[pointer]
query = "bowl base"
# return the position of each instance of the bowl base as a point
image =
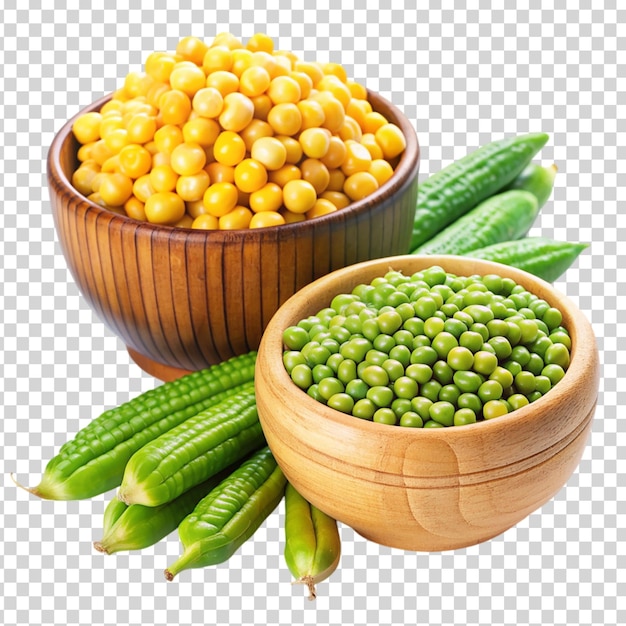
(165, 373)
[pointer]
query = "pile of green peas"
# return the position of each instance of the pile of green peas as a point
(430, 350)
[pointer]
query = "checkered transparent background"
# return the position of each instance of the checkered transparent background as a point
(465, 73)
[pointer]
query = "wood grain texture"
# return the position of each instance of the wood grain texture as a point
(183, 299)
(427, 490)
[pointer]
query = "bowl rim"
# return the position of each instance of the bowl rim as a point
(405, 172)
(583, 353)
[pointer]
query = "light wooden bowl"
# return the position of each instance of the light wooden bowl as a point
(426, 489)
(182, 299)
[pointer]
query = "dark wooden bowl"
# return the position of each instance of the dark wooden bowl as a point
(183, 299)
(427, 489)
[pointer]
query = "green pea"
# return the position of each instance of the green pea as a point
(342, 300)
(534, 396)
(354, 309)
(385, 416)
(425, 307)
(421, 406)
(380, 395)
(490, 390)
(494, 408)
(394, 369)
(376, 357)
(503, 376)
(419, 341)
(403, 338)
(454, 327)
(521, 354)
(442, 372)
(470, 401)
(528, 330)
(330, 386)
(405, 387)
(463, 417)
(330, 344)
(384, 343)
(420, 372)
(334, 360)
(527, 312)
(302, 376)
(493, 282)
(354, 324)
(414, 325)
(397, 298)
(485, 362)
(512, 366)
(561, 336)
(535, 364)
(400, 406)
(314, 393)
(554, 372)
(410, 419)
(295, 337)
(514, 334)
(481, 329)
(433, 327)
(543, 384)
(424, 354)
(479, 313)
(357, 389)
(501, 346)
(433, 424)
(541, 345)
(467, 319)
(442, 412)
(319, 331)
(435, 275)
(497, 328)
(517, 401)
(443, 343)
(460, 358)
(355, 349)
(291, 358)
(552, 318)
(476, 298)
(339, 333)
(401, 353)
(405, 310)
(539, 307)
(471, 340)
(364, 408)
(321, 371)
(468, 381)
(389, 322)
(449, 308)
(557, 354)
(450, 393)
(525, 382)
(370, 329)
(431, 390)
(346, 371)
(500, 312)
(341, 402)
(375, 375)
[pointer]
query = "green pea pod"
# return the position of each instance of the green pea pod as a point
(503, 217)
(93, 461)
(538, 180)
(230, 514)
(451, 192)
(312, 543)
(193, 451)
(133, 527)
(545, 258)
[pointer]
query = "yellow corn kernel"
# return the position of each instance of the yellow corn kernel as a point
(208, 102)
(195, 208)
(305, 82)
(266, 219)
(242, 58)
(101, 152)
(336, 153)
(321, 207)
(188, 78)
(141, 128)
(357, 159)
(237, 112)
(82, 179)
(134, 208)
(285, 118)
(299, 196)
(381, 170)
(220, 173)
(112, 164)
(164, 207)
(335, 69)
(338, 198)
(267, 198)
(360, 185)
(262, 106)
(224, 82)
(291, 218)
(217, 58)
(85, 152)
(369, 141)
(391, 140)
(316, 173)
(334, 112)
(174, 106)
(155, 91)
(373, 121)
(163, 178)
(315, 142)
(161, 158)
(112, 105)
(254, 81)
(283, 89)
(336, 179)
(312, 69)
(206, 222)
(256, 129)
(115, 188)
(167, 138)
(133, 85)
(350, 129)
(250, 175)
(268, 61)
(260, 42)
(284, 174)
(134, 160)
(334, 85)
(86, 128)
(187, 159)
(201, 130)
(192, 49)
(357, 90)
(270, 152)
(229, 148)
(237, 219)
(186, 221)
(192, 187)
(142, 188)
(358, 109)
(220, 198)
(312, 113)
(293, 147)
(116, 139)
(159, 66)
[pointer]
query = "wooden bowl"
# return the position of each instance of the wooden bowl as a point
(182, 299)
(426, 489)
